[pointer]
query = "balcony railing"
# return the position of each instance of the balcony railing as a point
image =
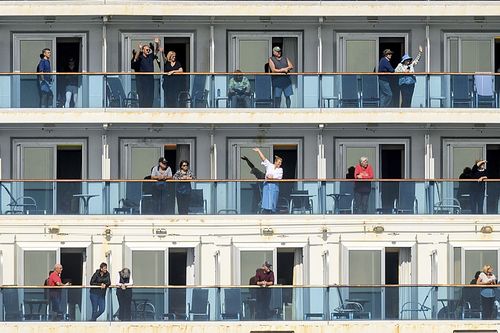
(241, 197)
(206, 90)
(243, 303)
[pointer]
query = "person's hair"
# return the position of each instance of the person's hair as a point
(56, 266)
(476, 276)
(43, 52)
(276, 157)
(237, 71)
(102, 265)
(363, 158)
(182, 162)
(125, 272)
(170, 54)
(486, 268)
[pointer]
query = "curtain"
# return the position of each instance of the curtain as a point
(404, 274)
(182, 153)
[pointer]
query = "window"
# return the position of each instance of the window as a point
(474, 52)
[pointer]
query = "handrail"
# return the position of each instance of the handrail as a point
(254, 286)
(406, 180)
(249, 73)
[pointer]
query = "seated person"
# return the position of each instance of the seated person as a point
(239, 91)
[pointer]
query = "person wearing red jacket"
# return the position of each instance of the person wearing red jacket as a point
(362, 189)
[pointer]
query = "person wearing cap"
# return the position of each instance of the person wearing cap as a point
(282, 84)
(477, 189)
(161, 173)
(270, 190)
(384, 81)
(264, 278)
(407, 82)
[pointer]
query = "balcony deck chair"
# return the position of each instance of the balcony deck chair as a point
(471, 303)
(406, 203)
(276, 304)
(484, 87)
(21, 205)
(197, 205)
(232, 307)
(115, 94)
(461, 92)
(416, 307)
(199, 308)
(346, 200)
(446, 205)
(263, 94)
(301, 205)
(369, 91)
(349, 95)
(349, 310)
(13, 309)
(197, 97)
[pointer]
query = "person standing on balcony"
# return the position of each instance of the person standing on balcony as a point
(183, 189)
(102, 279)
(362, 189)
(270, 190)
(282, 84)
(71, 84)
(384, 81)
(161, 173)
(44, 80)
(477, 189)
(124, 294)
(487, 294)
(172, 82)
(407, 82)
(55, 294)
(143, 62)
(264, 278)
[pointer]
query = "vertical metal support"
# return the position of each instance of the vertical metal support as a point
(212, 49)
(427, 49)
(213, 156)
(104, 64)
(320, 46)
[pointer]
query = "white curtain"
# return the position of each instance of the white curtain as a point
(404, 275)
(182, 153)
(298, 280)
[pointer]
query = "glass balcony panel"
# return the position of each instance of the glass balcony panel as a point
(191, 90)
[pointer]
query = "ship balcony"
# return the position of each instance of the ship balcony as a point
(211, 98)
(242, 197)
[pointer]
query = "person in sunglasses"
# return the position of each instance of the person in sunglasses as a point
(143, 62)
(183, 189)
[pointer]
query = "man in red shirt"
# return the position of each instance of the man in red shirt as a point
(55, 293)
(362, 189)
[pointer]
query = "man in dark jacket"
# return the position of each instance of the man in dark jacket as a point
(98, 295)
(384, 66)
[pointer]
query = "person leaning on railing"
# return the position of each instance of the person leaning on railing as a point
(488, 295)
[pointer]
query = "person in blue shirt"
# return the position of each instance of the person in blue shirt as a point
(143, 62)
(45, 81)
(384, 66)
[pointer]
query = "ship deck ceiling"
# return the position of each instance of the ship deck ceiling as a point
(250, 8)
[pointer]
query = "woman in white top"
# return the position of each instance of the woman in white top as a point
(487, 294)
(407, 82)
(271, 190)
(124, 294)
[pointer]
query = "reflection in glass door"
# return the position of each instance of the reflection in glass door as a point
(49, 161)
(367, 267)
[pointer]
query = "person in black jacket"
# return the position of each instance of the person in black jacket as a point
(480, 173)
(98, 295)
